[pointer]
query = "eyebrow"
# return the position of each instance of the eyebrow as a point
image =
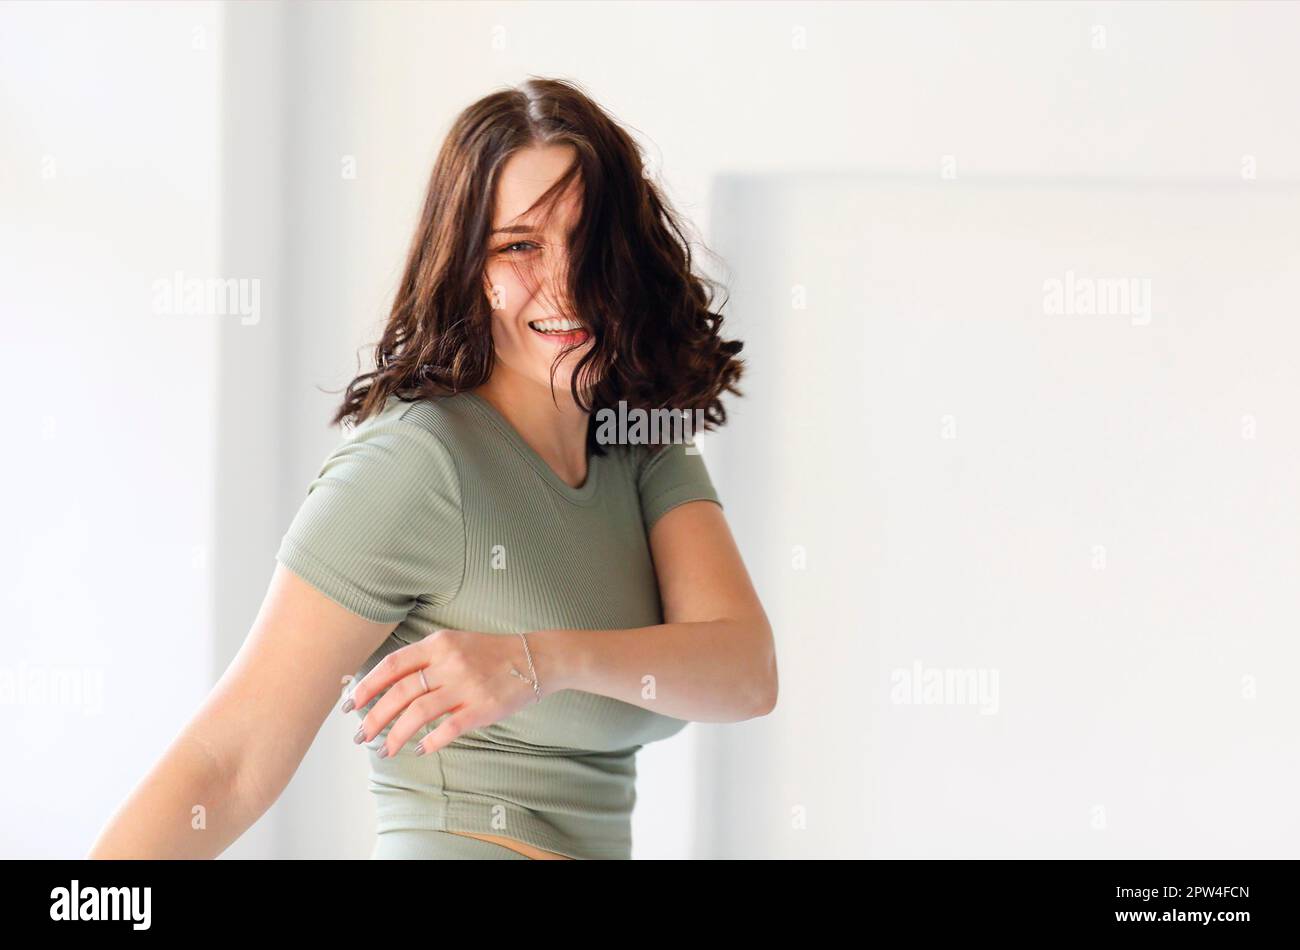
(516, 229)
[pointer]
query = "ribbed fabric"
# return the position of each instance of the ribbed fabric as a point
(437, 513)
(404, 844)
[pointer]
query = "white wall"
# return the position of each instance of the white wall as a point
(250, 134)
(1090, 517)
(109, 180)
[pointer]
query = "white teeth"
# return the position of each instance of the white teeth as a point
(555, 325)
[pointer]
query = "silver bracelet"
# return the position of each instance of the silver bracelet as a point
(537, 688)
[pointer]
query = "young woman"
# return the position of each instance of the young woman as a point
(517, 603)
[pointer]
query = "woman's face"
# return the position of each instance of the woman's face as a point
(525, 269)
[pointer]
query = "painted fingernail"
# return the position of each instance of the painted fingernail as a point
(383, 751)
(419, 748)
(348, 706)
(360, 735)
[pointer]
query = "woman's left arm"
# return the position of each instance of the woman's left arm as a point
(712, 660)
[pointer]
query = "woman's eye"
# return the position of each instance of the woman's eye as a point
(510, 248)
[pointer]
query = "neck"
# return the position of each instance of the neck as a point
(554, 426)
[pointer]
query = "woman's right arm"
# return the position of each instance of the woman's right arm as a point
(233, 759)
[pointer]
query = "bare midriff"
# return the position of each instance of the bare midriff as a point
(525, 849)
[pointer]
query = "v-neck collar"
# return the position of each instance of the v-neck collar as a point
(583, 495)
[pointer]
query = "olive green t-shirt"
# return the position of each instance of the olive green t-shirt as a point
(436, 513)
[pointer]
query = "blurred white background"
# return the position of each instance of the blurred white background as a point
(932, 472)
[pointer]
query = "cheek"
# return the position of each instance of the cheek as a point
(504, 336)
(506, 293)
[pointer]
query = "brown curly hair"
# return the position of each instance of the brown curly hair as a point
(656, 340)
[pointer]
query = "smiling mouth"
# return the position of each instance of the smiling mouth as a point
(559, 331)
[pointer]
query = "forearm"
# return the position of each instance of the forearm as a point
(189, 805)
(708, 671)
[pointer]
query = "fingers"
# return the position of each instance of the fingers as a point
(397, 690)
(402, 662)
(399, 696)
(446, 731)
(419, 714)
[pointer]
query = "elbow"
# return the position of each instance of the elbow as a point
(763, 708)
(766, 701)
(766, 679)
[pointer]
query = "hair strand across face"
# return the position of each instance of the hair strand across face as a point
(656, 336)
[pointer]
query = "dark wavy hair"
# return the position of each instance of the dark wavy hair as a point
(628, 276)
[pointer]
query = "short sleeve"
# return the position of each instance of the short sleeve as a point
(671, 475)
(381, 527)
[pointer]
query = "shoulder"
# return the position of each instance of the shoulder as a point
(441, 425)
(670, 475)
(442, 416)
(382, 523)
(406, 448)
(635, 462)
(449, 421)
(654, 460)
(650, 460)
